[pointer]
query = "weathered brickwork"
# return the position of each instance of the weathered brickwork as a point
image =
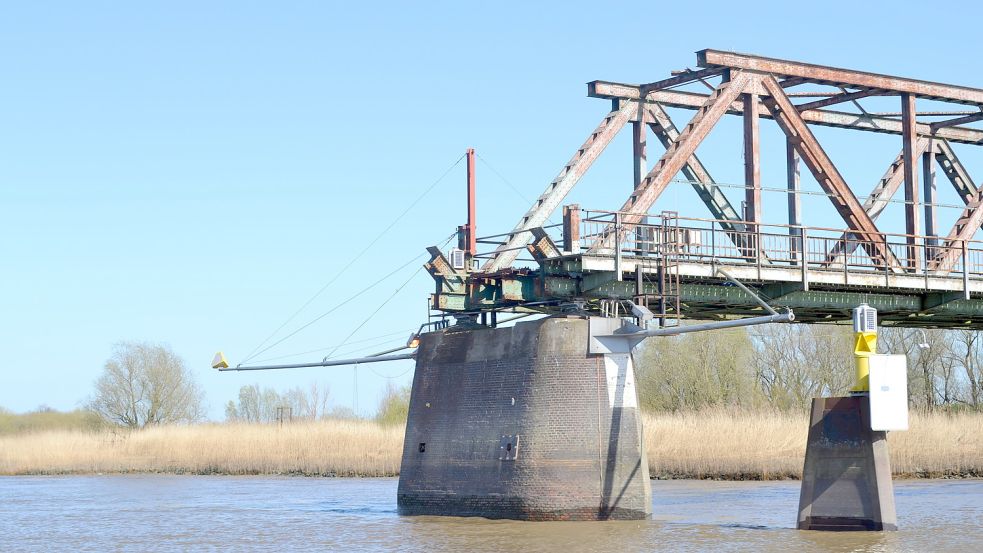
(517, 423)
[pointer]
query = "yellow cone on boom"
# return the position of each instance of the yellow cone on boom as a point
(219, 362)
(865, 343)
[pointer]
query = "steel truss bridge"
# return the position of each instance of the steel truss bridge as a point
(684, 266)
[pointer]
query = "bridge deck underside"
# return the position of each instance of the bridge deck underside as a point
(816, 295)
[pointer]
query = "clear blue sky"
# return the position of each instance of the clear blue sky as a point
(191, 172)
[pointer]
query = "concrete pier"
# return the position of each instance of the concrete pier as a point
(523, 423)
(846, 481)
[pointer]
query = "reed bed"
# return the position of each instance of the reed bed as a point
(769, 445)
(324, 448)
(717, 443)
(724, 444)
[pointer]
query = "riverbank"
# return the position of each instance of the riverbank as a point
(708, 444)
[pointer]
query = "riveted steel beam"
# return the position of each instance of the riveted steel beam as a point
(910, 169)
(827, 118)
(551, 198)
(825, 172)
(878, 199)
(956, 121)
(954, 170)
(694, 171)
(674, 159)
(839, 99)
(683, 78)
(965, 227)
(822, 74)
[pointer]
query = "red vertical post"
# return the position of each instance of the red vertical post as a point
(910, 136)
(752, 164)
(472, 235)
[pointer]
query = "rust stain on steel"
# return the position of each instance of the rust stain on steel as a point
(910, 169)
(828, 118)
(676, 156)
(879, 197)
(826, 174)
(822, 74)
(561, 185)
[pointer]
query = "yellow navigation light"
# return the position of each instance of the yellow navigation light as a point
(219, 362)
(866, 343)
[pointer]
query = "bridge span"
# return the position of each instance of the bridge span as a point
(595, 260)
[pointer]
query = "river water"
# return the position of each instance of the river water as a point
(213, 513)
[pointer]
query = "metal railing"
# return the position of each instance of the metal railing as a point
(770, 245)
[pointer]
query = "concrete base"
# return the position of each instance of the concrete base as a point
(523, 423)
(846, 482)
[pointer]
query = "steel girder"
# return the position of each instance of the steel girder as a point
(675, 158)
(878, 199)
(561, 186)
(694, 170)
(835, 76)
(825, 172)
(826, 118)
(754, 87)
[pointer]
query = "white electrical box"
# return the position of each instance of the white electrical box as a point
(864, 318)
(458, 261)
(888, 392)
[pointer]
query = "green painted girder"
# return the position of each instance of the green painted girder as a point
(713, 299)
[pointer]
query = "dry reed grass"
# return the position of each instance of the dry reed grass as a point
(771, 445)
(707, 444)
(328, 448)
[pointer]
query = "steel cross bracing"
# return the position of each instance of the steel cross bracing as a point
(922, 277)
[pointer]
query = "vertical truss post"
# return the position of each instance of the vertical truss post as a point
(909, 137)
(617, 246)
(752, 170)
(639, 164)
(928, 185)
(638, 151)
(965, 271)
(804, 259)
(571, 228)
(794, 201)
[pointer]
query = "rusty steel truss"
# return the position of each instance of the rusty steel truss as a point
(919, 278)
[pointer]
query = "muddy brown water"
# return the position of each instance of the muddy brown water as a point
(217, 513)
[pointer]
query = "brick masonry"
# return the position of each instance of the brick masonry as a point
(519, 423)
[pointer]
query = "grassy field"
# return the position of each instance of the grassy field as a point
(707, 444)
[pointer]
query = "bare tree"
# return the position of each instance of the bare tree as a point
(933, 356)
(696, 370)
(968, 341)
(794, 363)
(257, 404)
(317, 400)
(145, 384)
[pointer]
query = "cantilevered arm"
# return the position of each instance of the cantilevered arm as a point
(325, 363)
